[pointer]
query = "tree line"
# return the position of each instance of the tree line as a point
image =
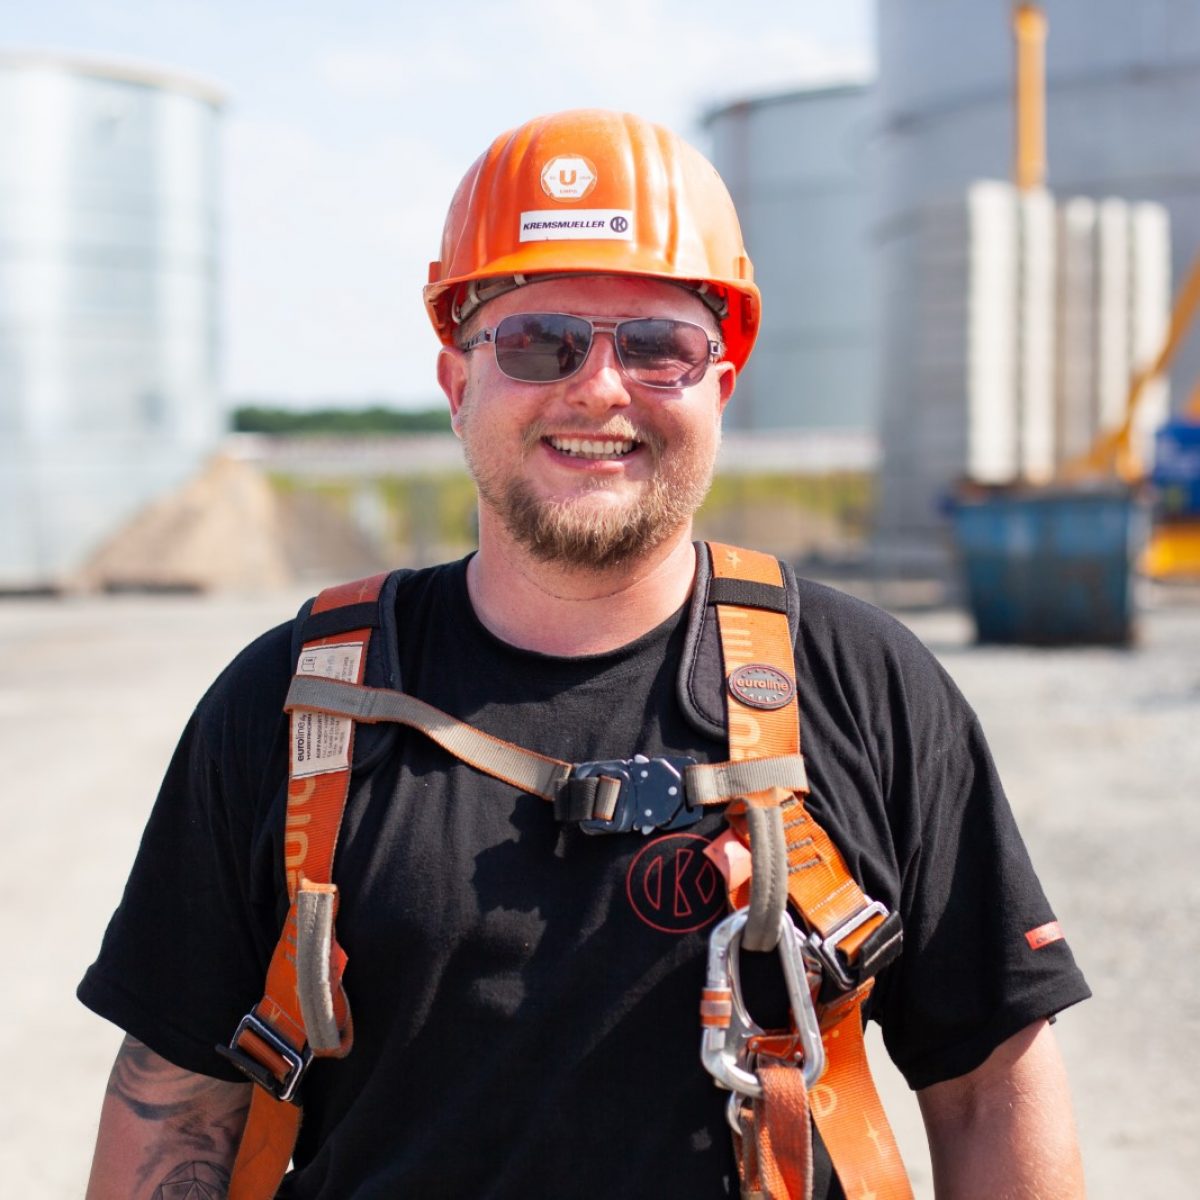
(373, 419)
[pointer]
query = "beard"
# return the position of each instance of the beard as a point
(577, 532)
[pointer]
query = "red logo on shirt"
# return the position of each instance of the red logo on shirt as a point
(673, 887)
(1043, 935)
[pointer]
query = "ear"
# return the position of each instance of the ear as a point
(452, 378)
(726, 382)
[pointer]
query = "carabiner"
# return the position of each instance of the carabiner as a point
(728, 1026)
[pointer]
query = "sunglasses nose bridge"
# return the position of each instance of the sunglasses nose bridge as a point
(609, 329)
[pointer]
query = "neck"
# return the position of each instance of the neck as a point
(573, 611)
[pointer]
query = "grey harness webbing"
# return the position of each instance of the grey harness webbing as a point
(524, 769)
(706, 783)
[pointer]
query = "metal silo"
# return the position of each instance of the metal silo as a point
(108, 300)
(1121, 82)
(796, 165)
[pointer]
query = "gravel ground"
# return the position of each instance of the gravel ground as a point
(1100, 750)
(1100, 753)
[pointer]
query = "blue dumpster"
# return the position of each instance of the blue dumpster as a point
(1049, 566)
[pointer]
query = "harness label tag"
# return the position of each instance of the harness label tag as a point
(321, 742)
(731, 858)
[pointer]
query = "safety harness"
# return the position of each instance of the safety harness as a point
(774, 857)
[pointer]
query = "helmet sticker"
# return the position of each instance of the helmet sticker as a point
(598, 224)
(568, 177)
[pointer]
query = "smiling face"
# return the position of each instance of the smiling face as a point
(593, 470)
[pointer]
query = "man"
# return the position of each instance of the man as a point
(523, 997)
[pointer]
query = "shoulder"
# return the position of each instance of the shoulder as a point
(256, 679)
(863, 666)
(435, 588)
(835, 625)
(249, 693)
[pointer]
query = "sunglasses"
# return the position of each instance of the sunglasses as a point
(657, 352)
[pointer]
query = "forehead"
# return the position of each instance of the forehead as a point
(602, 296)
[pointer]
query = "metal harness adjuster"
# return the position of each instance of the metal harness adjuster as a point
(297, 1061)
(881, 947)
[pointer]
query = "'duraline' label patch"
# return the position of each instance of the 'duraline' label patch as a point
(761, 686)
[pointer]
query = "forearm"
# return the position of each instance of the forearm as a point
(161, 1123)
(1010, 1154)
(1006, 1131)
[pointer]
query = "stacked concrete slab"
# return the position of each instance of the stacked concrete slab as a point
(1016, 324)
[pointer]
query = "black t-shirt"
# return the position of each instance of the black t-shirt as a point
(525, 996)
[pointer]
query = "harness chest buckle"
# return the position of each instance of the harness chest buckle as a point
(650, 794)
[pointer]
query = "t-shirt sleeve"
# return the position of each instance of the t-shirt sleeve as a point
(983, 956)
(185, 954)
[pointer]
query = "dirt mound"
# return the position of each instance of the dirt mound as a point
(229, 528)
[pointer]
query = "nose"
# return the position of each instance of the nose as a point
(600, 384)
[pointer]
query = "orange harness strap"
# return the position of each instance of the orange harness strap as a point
(776, 1147)
(272, 1037)
(844, 1102)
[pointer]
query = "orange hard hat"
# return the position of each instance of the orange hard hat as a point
(594, 192)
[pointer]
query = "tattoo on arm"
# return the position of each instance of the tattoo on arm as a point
(199, 1123)
(194, 1181)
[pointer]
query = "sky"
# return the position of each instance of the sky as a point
(348, 125)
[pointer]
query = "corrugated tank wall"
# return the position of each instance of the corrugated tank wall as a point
(108, 300)
(796, 165)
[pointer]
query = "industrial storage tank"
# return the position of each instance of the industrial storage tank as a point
(1121, 82)
(796, 165)
(108, 300)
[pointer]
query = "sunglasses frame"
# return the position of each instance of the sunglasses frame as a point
(609, 325)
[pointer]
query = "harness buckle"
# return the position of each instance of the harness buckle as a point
(880, 948)
(727, 1046)
(650, 794)
(297, 1061)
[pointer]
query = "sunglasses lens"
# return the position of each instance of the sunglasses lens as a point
(655, 351)
(541, 347)
(664, 353)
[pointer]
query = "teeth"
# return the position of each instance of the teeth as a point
(587, 448)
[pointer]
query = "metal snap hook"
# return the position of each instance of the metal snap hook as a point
(729, 1028)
